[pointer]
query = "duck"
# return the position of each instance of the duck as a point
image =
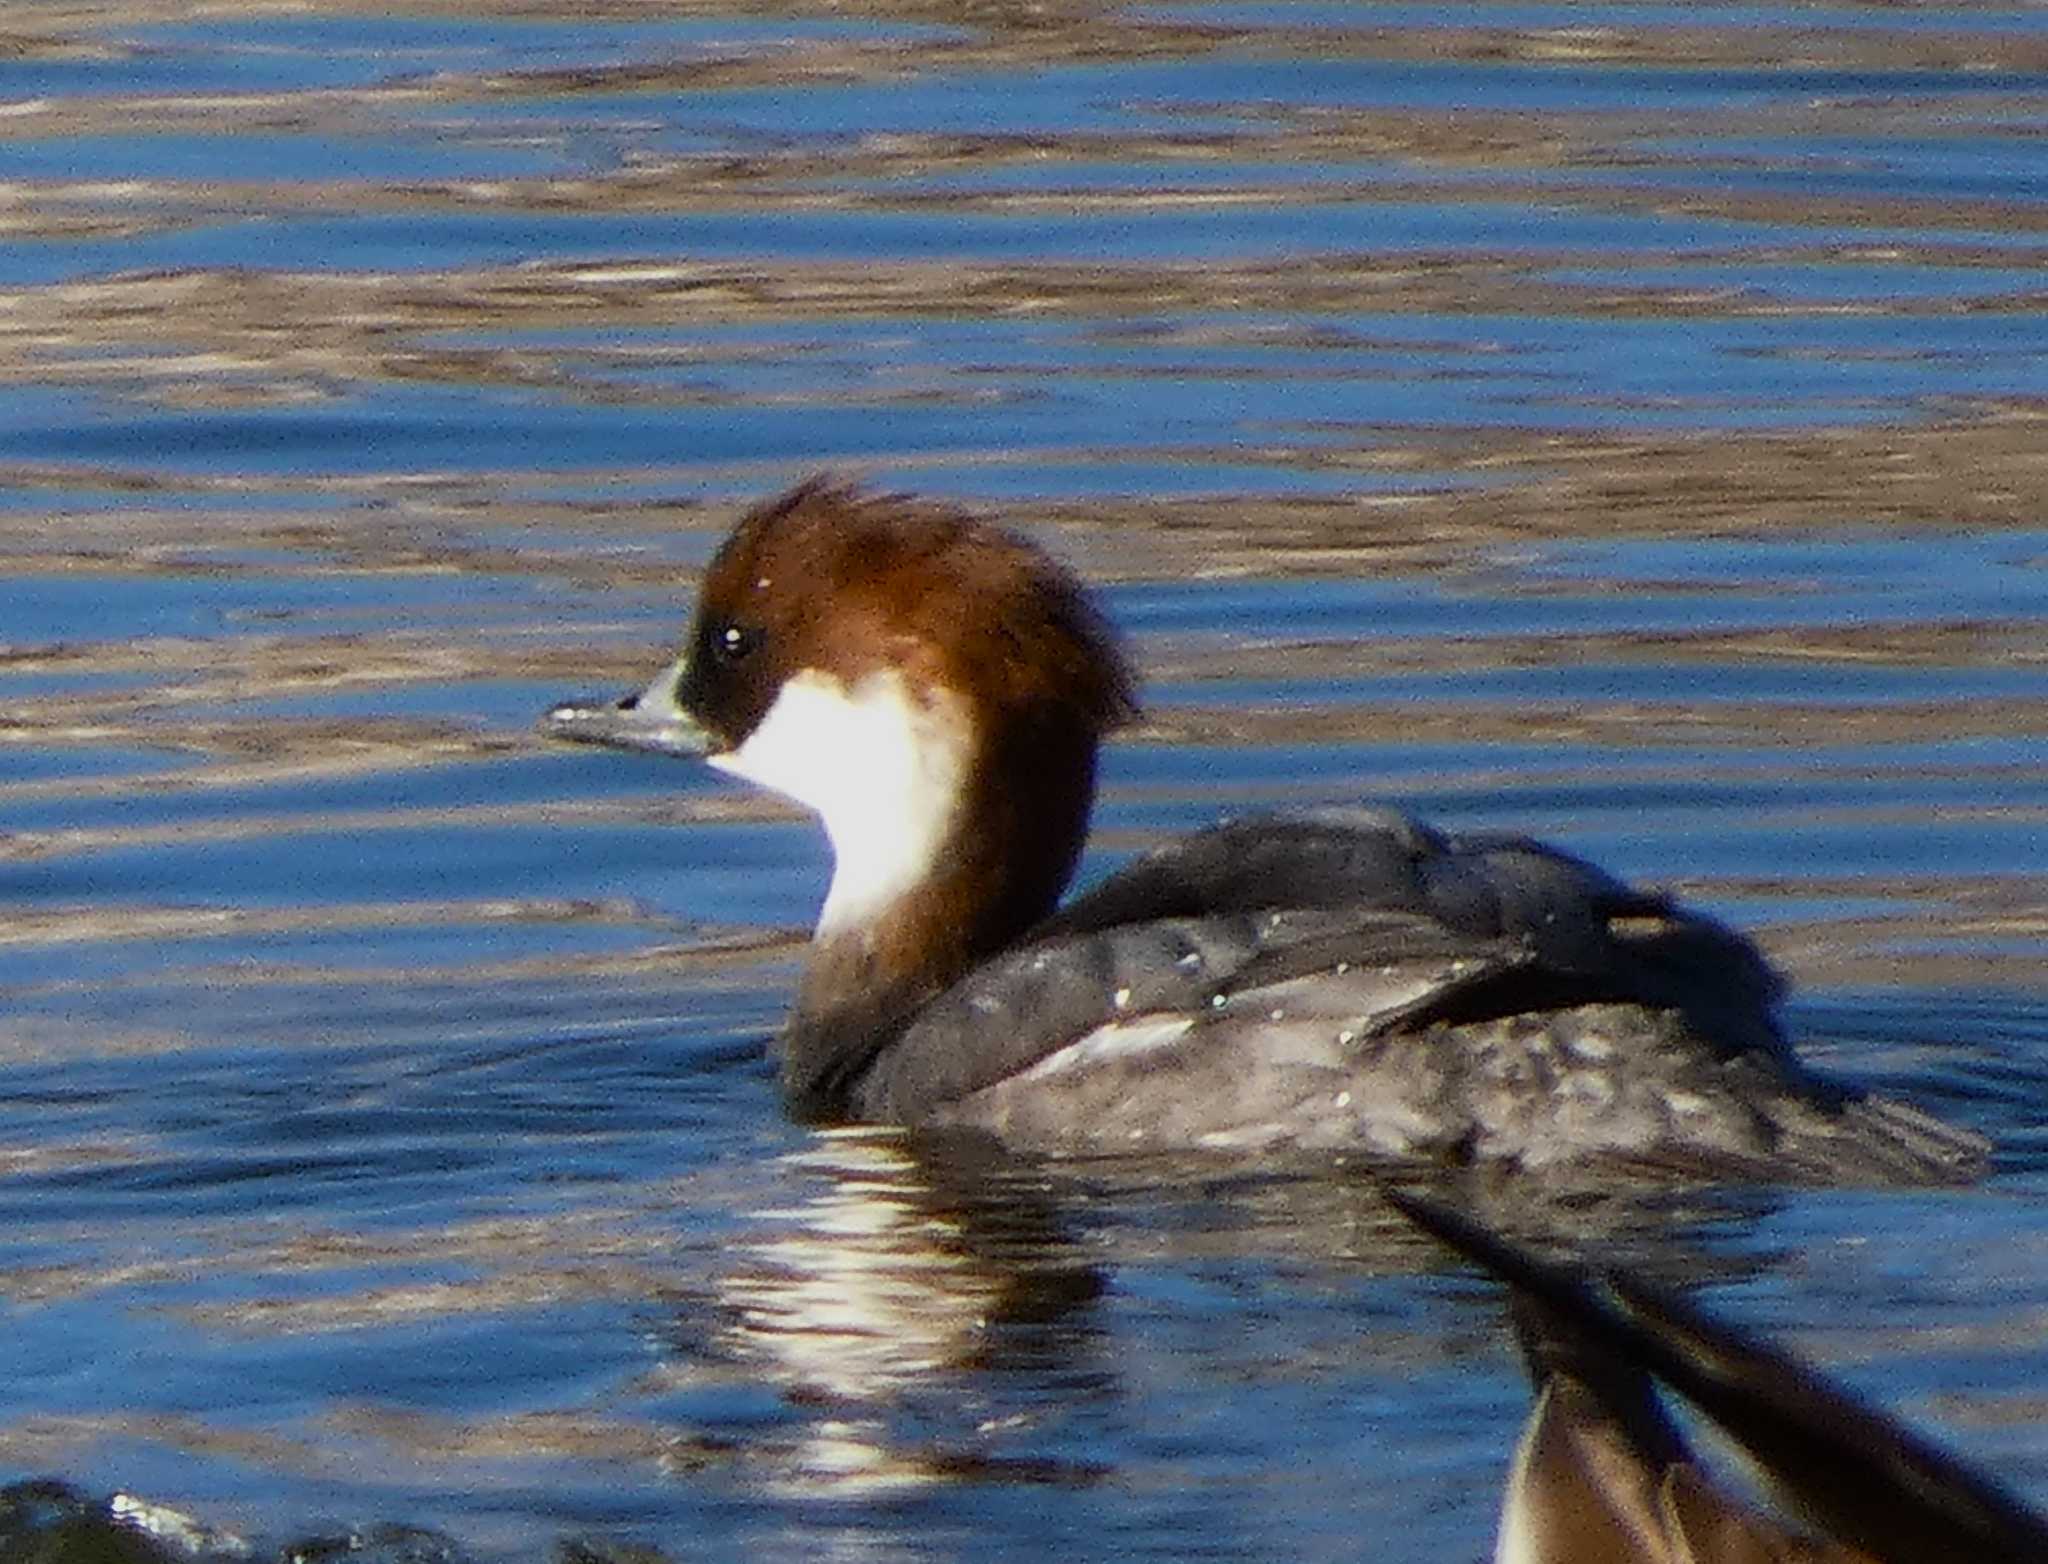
(936, 689)
(1602, 1474)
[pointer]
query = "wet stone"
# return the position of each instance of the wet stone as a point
(596, 1550)
(387, 1544)
(43, 1521)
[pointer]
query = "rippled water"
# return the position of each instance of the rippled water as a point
(1622, 422)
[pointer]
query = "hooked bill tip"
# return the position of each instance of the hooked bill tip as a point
(624, 724)
(569, 715)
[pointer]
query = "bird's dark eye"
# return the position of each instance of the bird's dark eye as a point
(734, 643)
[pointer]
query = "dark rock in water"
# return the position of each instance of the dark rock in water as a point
(43, 1521)
(387, 1544)
(596, 1550)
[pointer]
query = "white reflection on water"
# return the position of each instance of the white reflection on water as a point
(865, 1289)
(884, 1279)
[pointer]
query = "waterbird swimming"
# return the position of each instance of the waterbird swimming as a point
(936, 689)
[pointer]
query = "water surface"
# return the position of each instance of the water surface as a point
(1622, 423)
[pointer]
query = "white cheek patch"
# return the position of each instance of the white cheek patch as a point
(882, 768)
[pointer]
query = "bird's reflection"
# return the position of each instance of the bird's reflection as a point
(900, 1291)
(882, 1282)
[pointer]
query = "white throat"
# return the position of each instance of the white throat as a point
(883, 767)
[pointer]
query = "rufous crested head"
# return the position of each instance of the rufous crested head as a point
(933, 687)
(831, 582)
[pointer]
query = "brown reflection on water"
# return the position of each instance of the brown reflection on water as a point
(1986, 469)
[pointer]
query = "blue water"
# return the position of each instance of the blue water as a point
(385, 1134)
